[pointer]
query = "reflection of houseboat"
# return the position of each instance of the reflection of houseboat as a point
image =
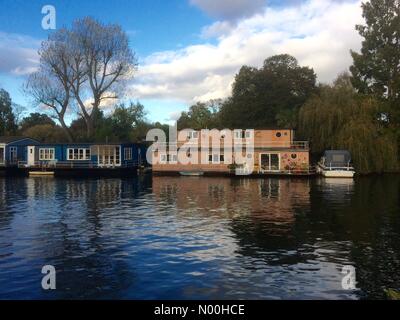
(274, 152)
(28, 155)
(336, 164)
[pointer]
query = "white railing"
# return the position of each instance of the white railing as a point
(54, 164)
(298, 145)
(329, 167)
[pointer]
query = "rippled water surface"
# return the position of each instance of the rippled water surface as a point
(199, 238)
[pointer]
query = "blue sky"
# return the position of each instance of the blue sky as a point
(189, 50)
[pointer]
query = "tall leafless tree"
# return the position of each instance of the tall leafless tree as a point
(91, 61)
(52, 94)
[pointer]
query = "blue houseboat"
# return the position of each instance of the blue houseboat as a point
(12, 151)
(76, 158)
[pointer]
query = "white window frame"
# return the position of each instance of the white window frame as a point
(193, 135)
(128, 154)
(240, 134)
(216, 157)
(172, 158)
(86, 154)
(46, 154)
(13, 152)
(163, 158)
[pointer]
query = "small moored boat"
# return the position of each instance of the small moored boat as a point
(191, 173)
(336, 164)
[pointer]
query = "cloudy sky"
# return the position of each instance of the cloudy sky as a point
(190, 50)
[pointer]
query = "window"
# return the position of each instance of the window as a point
(163, 158)
(242, 134)
(238, 134)
(78, 153)
(193, 135)
(173, 158)
(294, 156)
(278, 134)
(46, 154)
(216, 158)
(128, 153)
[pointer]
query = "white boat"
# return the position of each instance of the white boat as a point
(191, 173)
(336, 164)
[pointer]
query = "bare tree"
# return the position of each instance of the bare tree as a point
(91, 62)
(52, 93)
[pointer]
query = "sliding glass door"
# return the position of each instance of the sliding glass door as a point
(269, 162)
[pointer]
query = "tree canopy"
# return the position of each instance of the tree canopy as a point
(340, 118)
(87, 65)
(270, 96)
(376, 70)
(8, 124)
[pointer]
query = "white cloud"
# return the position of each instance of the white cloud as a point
(229, 9)
(319, 33)
(18, 54)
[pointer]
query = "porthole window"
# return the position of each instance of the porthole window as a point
(278, 134)
(294, 156)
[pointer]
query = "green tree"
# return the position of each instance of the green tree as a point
(46, 133)
(340, 118)
(376, 70)
(35, 119)
(124, 119)
(202, 115)
(269, 96)
(8, 124)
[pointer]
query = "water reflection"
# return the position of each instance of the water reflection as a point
(199, 238)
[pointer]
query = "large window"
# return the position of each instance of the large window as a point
(109, 155)
(128, 153)
(78, 153)
(46, 154)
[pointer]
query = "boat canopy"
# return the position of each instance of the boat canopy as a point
(337, 158)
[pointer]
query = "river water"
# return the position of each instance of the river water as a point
(200, 238)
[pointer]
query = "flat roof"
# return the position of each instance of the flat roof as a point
(10, 139)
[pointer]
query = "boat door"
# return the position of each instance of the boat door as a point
(31, 156)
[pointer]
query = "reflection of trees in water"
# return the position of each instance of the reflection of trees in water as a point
(369, 218)
(98, 252)
(261, 212)
(71, 228)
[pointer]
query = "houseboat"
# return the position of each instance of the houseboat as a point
(272, 152)
(336, 164)
(78, 159)
(13, 150)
